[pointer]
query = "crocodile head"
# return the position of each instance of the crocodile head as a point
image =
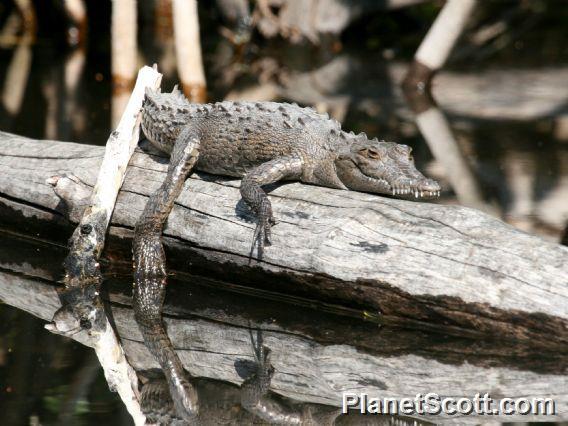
(383, 168)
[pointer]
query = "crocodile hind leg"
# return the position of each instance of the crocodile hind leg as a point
(150, 273)
(252, 192)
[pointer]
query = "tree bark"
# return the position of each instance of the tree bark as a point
(444, 268)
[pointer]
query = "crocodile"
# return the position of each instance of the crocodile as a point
(259, 407)
(262, 143)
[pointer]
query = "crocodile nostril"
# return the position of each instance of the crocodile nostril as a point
(85, 324)
(429, 185)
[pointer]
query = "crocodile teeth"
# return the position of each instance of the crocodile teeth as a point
(415, 194)
(393, 192)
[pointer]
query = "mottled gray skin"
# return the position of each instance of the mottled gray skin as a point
(156, 401)
(262, 142)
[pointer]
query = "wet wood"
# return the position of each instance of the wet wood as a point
(308, 369)
(88, 239)
(417, 264)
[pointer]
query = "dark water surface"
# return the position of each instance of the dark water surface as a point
(506, 103)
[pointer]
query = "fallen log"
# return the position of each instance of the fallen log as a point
(446, 268)
(317, 355)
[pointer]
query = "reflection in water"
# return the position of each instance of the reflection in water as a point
(436, 131)
(18, 70)
(124, 51)
(49, 378)
(317, 355)
(17, 78)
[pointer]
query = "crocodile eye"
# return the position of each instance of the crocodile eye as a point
(374, 154)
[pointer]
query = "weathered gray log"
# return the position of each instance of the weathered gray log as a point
(444, 267)
(310, 366)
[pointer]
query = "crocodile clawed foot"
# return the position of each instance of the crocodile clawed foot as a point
(262, 232)
(264, 369)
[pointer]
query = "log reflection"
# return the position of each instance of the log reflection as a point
(315, 361)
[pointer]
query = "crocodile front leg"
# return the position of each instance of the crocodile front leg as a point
(252, 192)
(254, 390)
(255, 396)
(150, 273)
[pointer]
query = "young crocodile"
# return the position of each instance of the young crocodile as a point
(259, 406)
(262, 142)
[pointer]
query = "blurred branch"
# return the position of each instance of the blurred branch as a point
(436, 131)
(188, 50)
(9, 33)
(77, 13)
(17, 78)
(438, 43)
(123, 53)
(27, 11)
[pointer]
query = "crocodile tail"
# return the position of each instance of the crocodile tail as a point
(184, 395)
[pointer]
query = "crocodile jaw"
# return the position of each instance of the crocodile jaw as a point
(383, 168)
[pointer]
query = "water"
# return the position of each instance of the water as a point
(506, 106)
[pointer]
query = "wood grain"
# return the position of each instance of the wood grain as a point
(446, 267)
